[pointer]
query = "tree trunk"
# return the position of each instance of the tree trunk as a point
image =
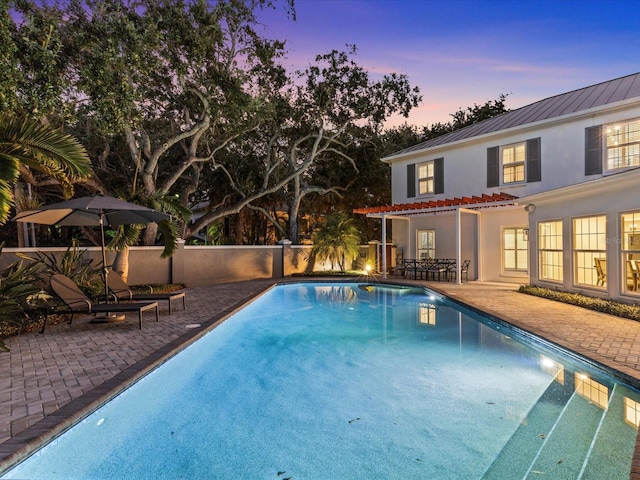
(294, 234)
(121, 263)
(149, 235)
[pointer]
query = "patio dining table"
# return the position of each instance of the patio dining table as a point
(432, 268)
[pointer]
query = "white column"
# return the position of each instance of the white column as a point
(458, 248)
(384, 246)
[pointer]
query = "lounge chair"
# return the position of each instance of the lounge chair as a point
(76, 301)
(121, 291)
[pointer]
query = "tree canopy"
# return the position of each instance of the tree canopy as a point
(186, 101)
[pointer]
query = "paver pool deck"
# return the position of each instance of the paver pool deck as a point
(48, 381)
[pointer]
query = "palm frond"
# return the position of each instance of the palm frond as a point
(171, 235)
(44, 148)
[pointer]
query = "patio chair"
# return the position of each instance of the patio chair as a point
(632, 275)
(121, 291)
(464, 270)
(76, 301)
(436, 267)
(600, 265)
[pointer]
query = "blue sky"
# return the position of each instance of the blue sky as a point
(465, 52)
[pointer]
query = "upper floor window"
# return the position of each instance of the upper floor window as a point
(513, 163)
(622, 143)
(426, 178)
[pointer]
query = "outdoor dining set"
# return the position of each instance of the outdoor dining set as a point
(440, 269)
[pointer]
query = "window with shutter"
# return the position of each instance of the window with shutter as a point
(411, 180)
(534, 160)
(438, 175)
(593, 150)
(513, 163)
(493, 167)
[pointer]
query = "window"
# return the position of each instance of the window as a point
(515, 249)
(426, 178)
(550, 248)
(589, 251)
(631, 251)
(516, 163)
(631, 412)
(427, 314)
(513, 160)
(426, 244)
(622, 143)
(593, 391)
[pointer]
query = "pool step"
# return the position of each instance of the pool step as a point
(612, 449)
(567, 445)
(515, 458)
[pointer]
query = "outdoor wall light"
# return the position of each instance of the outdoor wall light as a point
(525, 234)
(530, 208)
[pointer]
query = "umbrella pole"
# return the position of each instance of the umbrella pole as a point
(109, 317)
(105, 270)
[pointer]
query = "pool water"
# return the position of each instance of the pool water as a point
(348, 381)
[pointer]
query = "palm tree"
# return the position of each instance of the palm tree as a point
(27, 144)
(337, 240)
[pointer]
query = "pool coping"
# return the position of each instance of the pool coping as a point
(24, 443)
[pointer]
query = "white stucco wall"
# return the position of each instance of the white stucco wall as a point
(611, 200)
(493, 223)
(465, 162)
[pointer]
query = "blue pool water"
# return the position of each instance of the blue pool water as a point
(347, 381)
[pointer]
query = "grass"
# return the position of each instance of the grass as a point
(611, 307)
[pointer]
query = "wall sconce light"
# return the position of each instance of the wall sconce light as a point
(525, 234)
(530, 208)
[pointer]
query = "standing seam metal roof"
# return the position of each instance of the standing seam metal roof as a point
(604, 93)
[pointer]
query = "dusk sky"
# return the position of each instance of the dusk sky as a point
(465, 52)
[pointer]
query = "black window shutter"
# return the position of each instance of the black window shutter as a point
(534, 160)
(593, 150)
(411, 180)
(438, 175)
(493, 167)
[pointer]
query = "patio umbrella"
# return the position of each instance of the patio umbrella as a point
(95, 210)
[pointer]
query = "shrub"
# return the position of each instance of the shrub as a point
(18, 290)
(597, 304)
(73, 265)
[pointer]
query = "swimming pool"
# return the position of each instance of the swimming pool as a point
(355, 381)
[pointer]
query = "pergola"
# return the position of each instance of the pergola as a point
(406, 211)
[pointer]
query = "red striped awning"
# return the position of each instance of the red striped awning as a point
(409, 208)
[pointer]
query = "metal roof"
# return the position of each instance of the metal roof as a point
(604, 93)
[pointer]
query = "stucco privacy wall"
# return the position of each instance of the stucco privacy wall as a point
(196, 265)
(597, 200)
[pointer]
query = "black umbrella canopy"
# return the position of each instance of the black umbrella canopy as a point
(87, 211)
(92, 211)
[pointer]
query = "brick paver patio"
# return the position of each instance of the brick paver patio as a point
(47, 381)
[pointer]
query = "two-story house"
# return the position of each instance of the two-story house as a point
(547, 194)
